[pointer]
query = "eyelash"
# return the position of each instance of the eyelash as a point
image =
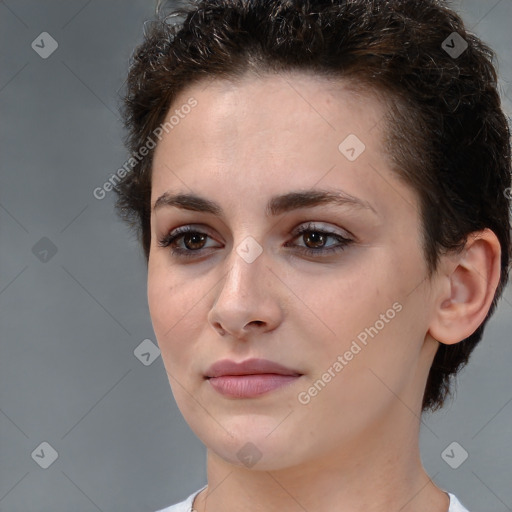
(178, 233)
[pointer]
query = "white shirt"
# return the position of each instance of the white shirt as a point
(186, 505)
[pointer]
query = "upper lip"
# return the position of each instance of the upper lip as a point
(248, 367)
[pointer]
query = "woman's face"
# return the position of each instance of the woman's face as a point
(346, 304)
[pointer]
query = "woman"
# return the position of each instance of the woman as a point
(320, 190)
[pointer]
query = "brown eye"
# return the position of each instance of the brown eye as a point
(315, 241)
(194, 241)
(315, 238)
(186, 242)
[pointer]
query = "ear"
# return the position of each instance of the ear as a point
(467, 285)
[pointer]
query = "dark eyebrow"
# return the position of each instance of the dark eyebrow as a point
(276, 205)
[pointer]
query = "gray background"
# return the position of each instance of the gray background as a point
(70, 321)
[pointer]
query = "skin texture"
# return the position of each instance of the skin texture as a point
(242, 144)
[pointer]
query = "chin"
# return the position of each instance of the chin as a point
(254, 449)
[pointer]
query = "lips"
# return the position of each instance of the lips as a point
(249, 379)
(253, 366)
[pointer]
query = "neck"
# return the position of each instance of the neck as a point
(380, 471)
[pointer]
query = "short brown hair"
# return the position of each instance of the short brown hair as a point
(447, 135)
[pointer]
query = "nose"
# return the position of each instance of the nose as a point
(247, 301)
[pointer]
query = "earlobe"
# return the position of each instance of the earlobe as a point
(468, 290)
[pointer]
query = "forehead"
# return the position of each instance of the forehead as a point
(278, 101)
(266, 135)
(293, 116)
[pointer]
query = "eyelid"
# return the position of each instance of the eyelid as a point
(180, 231)
(316, 226)
(316, 253)
(297, 231)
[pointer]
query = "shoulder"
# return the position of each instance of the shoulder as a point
(456, 505)
(185, 505)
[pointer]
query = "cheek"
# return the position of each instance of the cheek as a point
(160, 299)
(367, 316)
(173, 307)
(340, 306)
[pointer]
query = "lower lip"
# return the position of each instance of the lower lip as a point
(249, 386)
